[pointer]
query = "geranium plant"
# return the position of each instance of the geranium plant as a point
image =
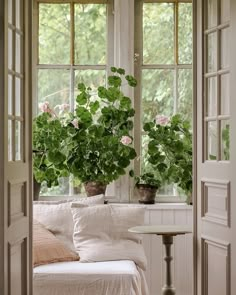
(49, 149)
(169, 153)
(100, 141)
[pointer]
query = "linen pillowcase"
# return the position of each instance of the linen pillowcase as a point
(58, 218)
(101, 233)
(47, 248)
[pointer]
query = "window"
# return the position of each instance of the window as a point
(78, 40)
(73, 46)
(163, 65)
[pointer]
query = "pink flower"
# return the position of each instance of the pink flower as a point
(44, 107)
(75, 122)
(63, 107)
(126, 140)
(162, 120)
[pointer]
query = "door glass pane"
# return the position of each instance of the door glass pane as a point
(9, 49)
(158, 33)
(185, 33)
(54, 86)
(18, 13)
(18, 54)
(212, 140)
(90, 34)
(212, 13)
(10, 111)
(54, 33)
(9, 11)
(225, 140)
(225, 46)
(91, 78)
(157, 93)
(224, 94)
(211, 52)
(18, 96)
(212, 96)
(9, 140)
(185, 93)
(225, 10)
(18, 140)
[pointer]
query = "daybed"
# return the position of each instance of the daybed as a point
(112, 261)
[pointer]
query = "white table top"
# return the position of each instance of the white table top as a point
(169, 230)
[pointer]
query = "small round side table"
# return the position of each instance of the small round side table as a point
(167, 232)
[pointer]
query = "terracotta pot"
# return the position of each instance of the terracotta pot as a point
(36, 189)
(147, 193)
(94, 188)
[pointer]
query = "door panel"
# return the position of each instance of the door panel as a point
(215, 176)
(17, 204)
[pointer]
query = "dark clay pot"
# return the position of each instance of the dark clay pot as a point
(94, 188)
(147, 193)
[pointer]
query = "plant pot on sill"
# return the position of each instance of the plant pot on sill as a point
(147, 193)
(94, 188)
(36, 189)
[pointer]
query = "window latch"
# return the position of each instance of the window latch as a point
(136, 56)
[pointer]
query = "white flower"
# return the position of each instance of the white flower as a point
(126, 140)
(75, 122)
(44, 107)
(162, 120)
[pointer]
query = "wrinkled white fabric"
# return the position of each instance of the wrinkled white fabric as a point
(101, 278)
(101, 233)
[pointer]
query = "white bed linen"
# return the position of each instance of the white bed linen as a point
(99, 278)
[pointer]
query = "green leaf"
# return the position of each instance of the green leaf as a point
(131, 80)
(82, 98)
(94, 106)
(121, 71)
(81, 87)
(114, 81)
(114, 69)
(125, 102)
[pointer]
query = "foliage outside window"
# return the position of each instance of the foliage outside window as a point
(163, 67)
(72, 47)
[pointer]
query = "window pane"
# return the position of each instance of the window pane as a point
(211, 52)
(90, 34)
(225, 140)
(10, 49)
(212, 141)
(185, 33)
(158, 33)
(91, 78)
(18, 13)
(9, 11)
(224, 94)
(9, 140)
(18, 96)
(61, 189)
(225, 10)
(185, 93)
(54, 86)
(18, 140)
(18, 60)
(212, 13)
(212, 96)
(54, 33)
(10, 111)
(225, 46)
(157, 93)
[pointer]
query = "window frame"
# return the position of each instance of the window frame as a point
(139, 66)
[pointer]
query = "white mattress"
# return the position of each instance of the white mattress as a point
(100, 278)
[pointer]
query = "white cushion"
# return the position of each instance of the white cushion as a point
(101, 233)
(57, 218)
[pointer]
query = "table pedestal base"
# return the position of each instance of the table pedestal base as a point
(168, 288)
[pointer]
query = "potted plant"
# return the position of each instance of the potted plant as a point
(49, 149)
(100, 142)
(169, 153)
(147, 185)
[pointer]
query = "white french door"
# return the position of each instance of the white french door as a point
(216, 146)
(15, 120)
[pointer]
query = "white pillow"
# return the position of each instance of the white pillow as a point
(101, 233)
(57, 218)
